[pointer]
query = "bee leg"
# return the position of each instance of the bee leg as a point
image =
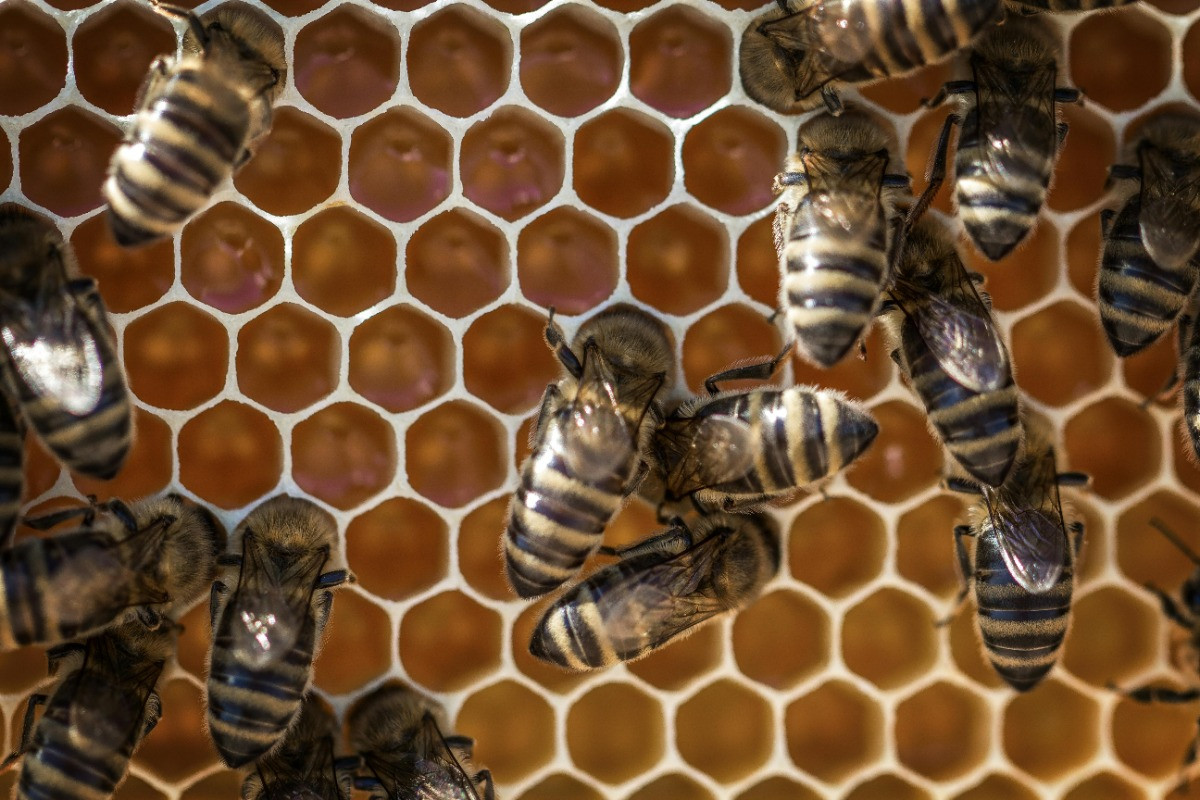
(484, 776)
(322, 605)
(779, 228)
(762, 370)
(1077, 536)
(193, 21)
(1169, 608)
(557, 341)
(124, 514)
(26, 730)
(1062, 129)
(216, 599)
(1159, 694)
(334, 578)
(46, 521)
(1072, 479)
(783, 6)
(934, 178)
(366, 783)
(459, 742)
(949, 88)
(964, 567)
(1181, 332)
(670, 542)
(56, 655)
(1124, 172)
(962, 485)
(153, 713)
(149, 617)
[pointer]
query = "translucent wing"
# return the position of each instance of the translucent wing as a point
(841, 30)
(702, 452)
(90, 586)
(1018, 120)
(1030, 528)
(845, 194)
(424, 768)
(596, 443)
(1170, 215)
(103, 716)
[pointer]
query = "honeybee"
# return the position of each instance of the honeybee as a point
(269, 606)
(398, 734)
(1149, 266)
(61, 367)
(303, 766)
(12, 459)
(1010, 135)
(589, 444)
(839, 211)
(102, 705)
(1068, 6)
(660, 589)
(736, 450)
(198, 120)
(147, 562)
(800, 48)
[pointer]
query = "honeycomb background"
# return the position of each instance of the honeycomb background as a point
(344, 321)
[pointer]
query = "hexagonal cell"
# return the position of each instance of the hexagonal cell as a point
(64, 158)
(567, 259)
(343, 454)
(113, 51)
(833, 731)
(615, 753)
(623, 163)
(497, 341)
(414, 536)
(343, 262)
(513, 729)
(942, 731)
(173, 751)
(778, 788)
(817, 551)
(218, 785)
(449, 642)
(287, 358)
(678, 260)
(478, 549)
(571, 60)
(129, 279)
(1183, 458)
(1051, 731)
(400, 164)
(176, 356)
(925, 544)
(966, 648)
(512, 162)
(40, 468)
(552, 677)
(1145, 555)
(195, 640)
(230, 439)
(889, 638)
(1113, 636)
(347, 62)
(679, 61)
(559, 786)
(756, 639)
(455, 453)
(684, 660)
(456, 263)
(1090, 149)
(1026, 275)
(1115, 442)
(358, 646)
(401, 359)
(903, 460)
(231, 258)
(147, 469)
(1191, 67)
(459, 61)
(1105, 785)
(758, 263)
(905, 95)
(33, 59)
(1153, 738)
(730, 159)
(860, 378)
(738, 746)
(887, 787)
(676, 787)
(296, 8)
(1106, 49)
(295, 167)
(722, 337)
(21, 670)
(134, 788)
(6, 163)
(1061, 353)
(1084, 245)
(999, 787)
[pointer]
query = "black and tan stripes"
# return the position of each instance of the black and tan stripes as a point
(12, 458)
(912, 33)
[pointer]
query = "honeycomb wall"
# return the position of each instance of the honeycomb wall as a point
(342, 320)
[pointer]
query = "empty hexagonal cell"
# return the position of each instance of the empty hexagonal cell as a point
(1092, 562)
(1026, 275)
(615, 753)
(134, 788)
(1113, 636)
(758, 263)
(176, 356)
(147, 469)
(449, 641)
(343, 262)
(904, 458)
(347, 62)
(1146, 556)
(623, 163)
(887, 787)
(860, 378)
(925, 545)
(358, 648)
(570, 60)
(22, 669)
(455, 453)
(494, 344)
(513, 729)
(548, 675)
(889, 638)
(1089, 150)
(478, 549)
(1051, 731)
(999, 787)
(966, 648)
(456, 263)
(678, 260)
(756, 639)
(287, 358)
(231, 258)
(399, 164)
(195, 640)
(722, 337)
(730, 159)
(1115, 442)
(401, 359)
(512, 162)
(33, 59)
(1106, 49)
(129, 279)
(679, 61)
(737, 746)
(1153, 738)
(1147, 371)
(567, 259)
(230, 439)
(295, 167)
(63, 160)
(833, 731)
(559, 786)
(173, 751)
(683, 660)
(41, 469)
(343, 454)
(459, 61)
(817, 548)
(677, 787)
(1105, 785)
(416, 540)
(942, 731)
(905, 95)
(113, 51)
(778, 788)
(1061, 353)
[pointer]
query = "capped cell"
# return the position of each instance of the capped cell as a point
(347, 62)
(113, 50)
(1114, 635)
(903, 460)
(230, 439)
(343, 454)
(678, 260)
(567, 259)
(512, 162)
(942, 731)
(478, 550)
(129, 279)
(728, 335)
(64, 157)
(360, 634)
(1061, 353)
(1153, 738)
(147, 469)
(758, 263)
(417, 542)
(343, 262)
(1051, 732)
(683, 660)
(1115, 442)
(731, 158)
(756, 639)
(459, 60)
(677, 787)
(925, 544)
(571, 60)
(513, 729)
(778, 788)
(818, 547)
(890, 638)
(456, 263)
(231, 258)
(173, 751)
(1107, 48)
(401, 359)
(400, 164)
(449, 642)
(455, 453)
(679, 61)
(725, 730)
(33, 59)
(505, 359)
(833, 731)
(295, 167)
(615, 753)
(176, 356)
(887, 787)
(287, 358)
(623, 163)
(1145, 555)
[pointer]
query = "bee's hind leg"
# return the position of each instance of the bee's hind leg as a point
(762, 370)
(964, 567)
(27, 727)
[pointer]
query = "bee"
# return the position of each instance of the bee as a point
(397, 732)
(589, 444)
(800, 49)
(303, 767)
(269, 606)
(198, 120)
(102, 705)
(660, 589)
(1149, 266)
(736, 450)
(1067, 6)
(61, 369)
(835, 227)
(1010, 135)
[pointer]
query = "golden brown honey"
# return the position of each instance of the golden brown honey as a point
(623, 163)
(567, 260)
(570, 61)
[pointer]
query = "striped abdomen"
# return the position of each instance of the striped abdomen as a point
(575, 635)
(12, 458)
(187, 135)
(1191, 388)
(1073, 5)
(906, 34)
(1022, 632)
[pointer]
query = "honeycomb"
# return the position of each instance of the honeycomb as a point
(357, 318)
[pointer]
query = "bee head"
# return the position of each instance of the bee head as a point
(781, 78)
(190, 548)
(29, 243)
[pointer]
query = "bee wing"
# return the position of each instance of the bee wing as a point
(710, 451)
(1020, 120)
(105, 714)
(1170, 213)
(426, 769)
(846, 195)
(1031, 530)
(272, 603)
(596, 443)
(91, 582)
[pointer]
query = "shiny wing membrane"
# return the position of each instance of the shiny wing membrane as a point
(703, 452)
(422, 768)
(1170, 206)
(1018, 119)
(1030, 527)
(110, 694)
(847, 192)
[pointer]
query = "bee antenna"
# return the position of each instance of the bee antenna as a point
(1162, 528)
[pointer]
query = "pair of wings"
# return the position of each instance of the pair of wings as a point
(109, 694)
(846, 191)
(703, 452)
(1030, 527)
(317, 778)
(1170, 206)
(1018, 119)
(422, 768)
(832, 36)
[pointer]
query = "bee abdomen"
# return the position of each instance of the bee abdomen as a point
(573, 636)
(1191, 396)
(249, 710)
(982, 432)
(830, 293)
(57, 770)
(1022, 632)
(823, 434)
(913, 33)
(12, 459)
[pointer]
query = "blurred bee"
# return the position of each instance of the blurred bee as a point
(953, 355)
(197, 121)
(589, 444)
(102, 705)
(61, 367)
(269, 607)
(1066, 6)
(398, 734)
(302, 767)
(800, 48)
(1010, 134)
(736, 450)
(839, 211)
(1149, 266)
(660, 589)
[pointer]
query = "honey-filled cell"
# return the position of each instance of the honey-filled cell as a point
(679, 61)
(560, 786)
(907, 94)
(33, 59)
(230, 439)
(1114, 635)
(942, 731)
(399, 164)
(358, 645)
(347, 62)
(778, 788)
(836, 546)
(63, 160)
(1083, 163)
(721, 338)
(1106, 49)
(513, 729)
(1116, 443)
(21, 670)
(1051, 730)
(567, 259)
(1000, 787)
(230, 258)
(550, 676)
(512, 162)
(904, 458)
(1147, 372)
(459, 60)
(173, 751)
(147, 468)
(414, 536)
(1084, 246)
(134, 788)
(1105, 786)
(731, 158)
(1060, 353)
(1026, 275)
(925, 544)
(498, 341)
(343, 262)
(615, 753)
(455, 453)
(456, 263)
(756, 633)
(176, 356)
(678, 260)
(129, 279)
(889, 638)
(676, 787)
(40, 469)
(344, 454)
(219, 785)
(449, 642)
(571, 60)
(683, 660)
(623, 163)
(113, 50)
(479, 549)
(1143, 553)
(833, 731)
(757, 262)
(295, 167)
(287, 358)
(887, 787)
(401, 359)
(1153, 738)
(860, 378)
(733, 749)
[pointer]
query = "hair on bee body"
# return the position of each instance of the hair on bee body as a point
(303, 766)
